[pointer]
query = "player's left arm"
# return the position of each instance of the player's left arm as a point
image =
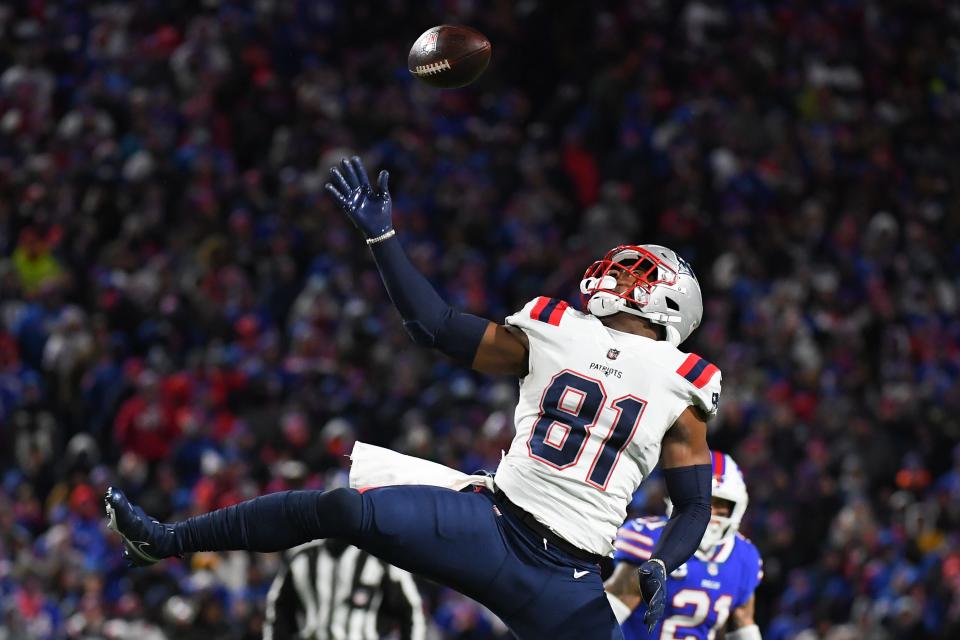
(427, 317)
(742, 625)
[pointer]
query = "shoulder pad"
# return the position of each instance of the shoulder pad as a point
(703, 379)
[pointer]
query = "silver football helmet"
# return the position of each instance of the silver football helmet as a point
(666, 291)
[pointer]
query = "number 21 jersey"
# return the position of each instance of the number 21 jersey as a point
(594, 407)
(701, 593)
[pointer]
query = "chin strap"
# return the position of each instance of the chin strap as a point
(603, 303)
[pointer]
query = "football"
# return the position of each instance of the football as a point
(449, 56)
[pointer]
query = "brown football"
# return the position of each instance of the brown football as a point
(449, 56)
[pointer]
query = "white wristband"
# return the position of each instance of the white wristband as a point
(382, 237)
(620, 609)
(750, 632)
(660, 562)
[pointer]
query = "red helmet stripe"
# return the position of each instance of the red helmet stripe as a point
(718, 465)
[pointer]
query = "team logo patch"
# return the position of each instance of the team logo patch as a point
(612, 354)
(685, 268)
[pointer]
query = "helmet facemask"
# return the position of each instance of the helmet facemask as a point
(599, 284)
(720, 528)
(662, 289)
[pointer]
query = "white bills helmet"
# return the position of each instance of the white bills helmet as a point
(666, 291)
(728, 484)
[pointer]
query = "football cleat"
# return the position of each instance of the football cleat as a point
(145, 540)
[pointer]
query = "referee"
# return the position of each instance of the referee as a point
(331, 590)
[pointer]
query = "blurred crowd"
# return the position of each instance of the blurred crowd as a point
(183, 312)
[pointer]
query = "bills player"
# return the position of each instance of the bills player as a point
(712, 592)
(604, 396)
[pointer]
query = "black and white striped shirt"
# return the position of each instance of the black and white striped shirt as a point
(329, 590)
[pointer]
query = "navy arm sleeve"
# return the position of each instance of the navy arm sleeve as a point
(429, 320)
(689, 489)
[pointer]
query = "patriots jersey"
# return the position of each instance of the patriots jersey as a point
(593, 410)
(701, 593)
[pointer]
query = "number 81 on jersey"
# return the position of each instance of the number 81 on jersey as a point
(570, 407)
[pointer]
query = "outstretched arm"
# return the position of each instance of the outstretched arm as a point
(742, 625)
(428, 318)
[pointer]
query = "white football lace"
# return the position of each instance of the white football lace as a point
(432, 68)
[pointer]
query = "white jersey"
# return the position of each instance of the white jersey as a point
(593, 410)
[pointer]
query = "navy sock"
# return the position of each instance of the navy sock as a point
(274, 522)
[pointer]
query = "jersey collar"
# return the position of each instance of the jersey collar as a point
(622, 337)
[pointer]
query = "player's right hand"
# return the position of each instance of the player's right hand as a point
(367, 208)
(653, 587)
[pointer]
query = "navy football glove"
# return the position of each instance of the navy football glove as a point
(653, 586)
(368, 209)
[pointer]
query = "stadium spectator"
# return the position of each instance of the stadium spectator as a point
(164, 242)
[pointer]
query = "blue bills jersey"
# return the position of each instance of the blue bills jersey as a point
(701, 593)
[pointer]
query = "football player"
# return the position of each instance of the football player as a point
(604, 395)
(712, 592)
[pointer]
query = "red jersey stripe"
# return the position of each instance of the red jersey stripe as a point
(557, 313)
(633, 550)
(637, 537)
(688, 364)
(538, 308)
(705, 376)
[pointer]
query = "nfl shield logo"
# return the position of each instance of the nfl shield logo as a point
(429, 43)
(612, 354)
